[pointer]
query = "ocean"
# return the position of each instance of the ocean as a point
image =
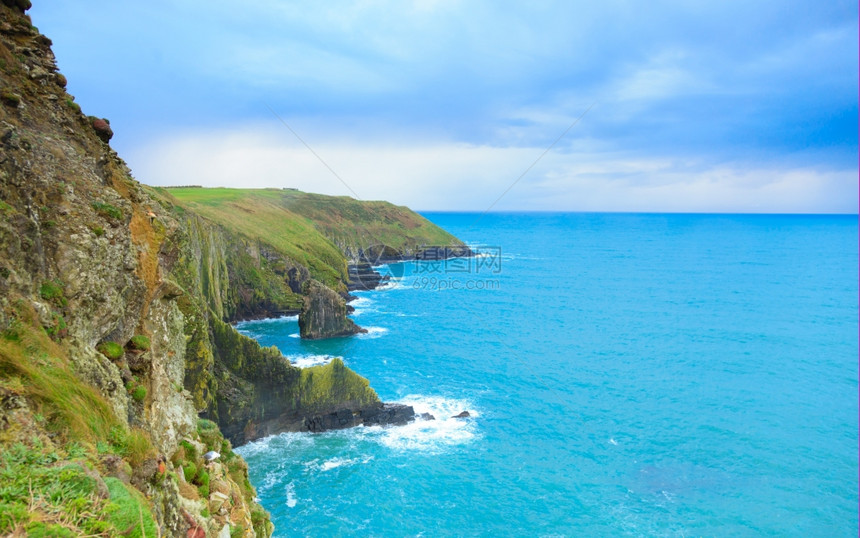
(626, 374)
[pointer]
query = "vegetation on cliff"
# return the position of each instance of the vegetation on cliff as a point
(314, 229)
(115, 303)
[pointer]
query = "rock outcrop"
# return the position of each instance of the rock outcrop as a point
(324, 314)
(388, 414)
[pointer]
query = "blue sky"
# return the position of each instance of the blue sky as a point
(695, 106)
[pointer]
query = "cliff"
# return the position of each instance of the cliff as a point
(118, 366)
(323, 314)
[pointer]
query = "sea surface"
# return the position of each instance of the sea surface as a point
(627, 375)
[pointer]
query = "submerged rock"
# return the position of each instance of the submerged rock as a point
(324, 314)
(463, 414)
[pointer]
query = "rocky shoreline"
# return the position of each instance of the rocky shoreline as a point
(363, 276)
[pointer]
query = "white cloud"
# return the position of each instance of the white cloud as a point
(456, 176)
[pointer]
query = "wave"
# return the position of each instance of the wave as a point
(428, 436)
(333, 463)
(265, 321)
(392, 285)
(373, 332)
(432, 435)
(306, 361)
(291, 495)
(361, 305)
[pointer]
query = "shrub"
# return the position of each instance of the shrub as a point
(204, 425)
(111, 350)
(52, 290)
(189, 470)
(98, 230)
(58, 327)
(139, 393)
(107, 210)
(73, 105)
(139, 342)
(190, 450)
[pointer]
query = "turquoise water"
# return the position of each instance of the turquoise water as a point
(677, 375)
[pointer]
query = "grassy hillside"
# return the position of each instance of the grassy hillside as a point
(261, 215)
(313, 229)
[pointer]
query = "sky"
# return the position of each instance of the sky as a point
(466, 105)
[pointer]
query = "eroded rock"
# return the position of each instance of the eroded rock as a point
(324, 314)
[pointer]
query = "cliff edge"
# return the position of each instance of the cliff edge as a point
(118, 366)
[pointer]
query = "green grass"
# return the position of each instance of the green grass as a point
(128, 510)
(52, 290)
(47, 496)
(111, 350)
(138, 393)
(139, 342)
(321, 386)
(107, 210)
(312, 229)
(71, 405)
(73, 105)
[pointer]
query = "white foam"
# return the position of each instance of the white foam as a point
(273, 442)
(265, 321)
(432, 435)
(373, 332)
(361, 305)
(393, 284)
(334, 463)
(291, 495)
(295, 335)
(315, 466)
(306, 361)
(361, 302)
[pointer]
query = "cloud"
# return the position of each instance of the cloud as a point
(749, 90)
(456, 176)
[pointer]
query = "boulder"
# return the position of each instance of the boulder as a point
(388, 414)
(102, 129)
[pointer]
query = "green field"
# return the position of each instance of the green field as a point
(312, 229)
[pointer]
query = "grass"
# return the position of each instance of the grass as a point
(28, 353)
(52, 290)
(138, 393)
(312, 229)
(320, 386)
(139, 342)
(128, 511)
(107, 210)
(73, 105)
(138, 447)
(111, 350)
(45, 496)
(261, 217)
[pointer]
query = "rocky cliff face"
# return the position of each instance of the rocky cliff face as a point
(323, 314)
(114, 339)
